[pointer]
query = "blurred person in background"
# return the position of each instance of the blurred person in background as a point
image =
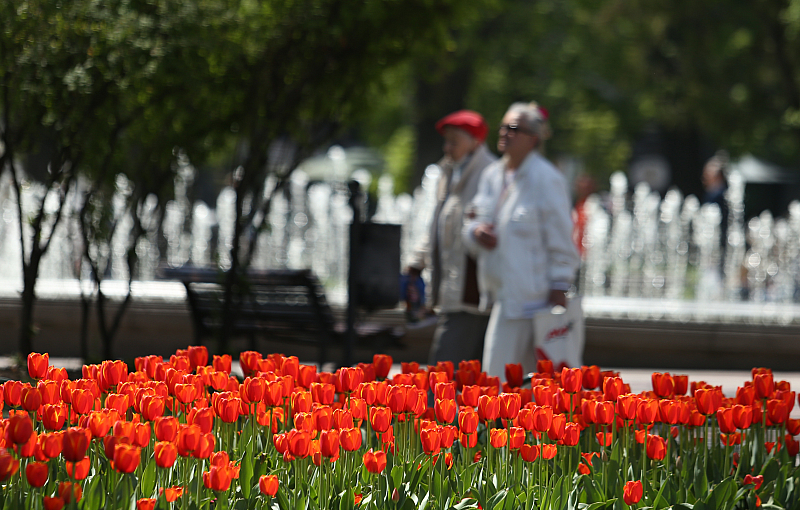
(454, 286)
(522, 233)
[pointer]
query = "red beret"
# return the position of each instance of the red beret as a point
(469, 121)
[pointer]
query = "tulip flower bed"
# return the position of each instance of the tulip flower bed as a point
(183, 434)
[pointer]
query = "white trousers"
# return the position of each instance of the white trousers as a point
(508, 341)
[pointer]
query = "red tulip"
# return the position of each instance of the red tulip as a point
(19, 428)
(189, 437)
(375, 462)
(37, 365)
(725, 420)
(529, 453)
(708, 400)
(31, 398)
(299, 443)
(488, 408)
(171, 493)
(12, 391)
(165, 454)
(542, 418)
(52, 503)
(430, 440)
(548, 451)
(612, 388)
(8, 465)
(222, 363)
(764, 385)
(75, 444)
(498, 438)
(681, 384)
(218, 478)
(663, 384)
(51, 444)
(445, 411)
(69, 491)
(198, 356)
(126, 457)
(510, 404)
(571, 379)
(516, 438)
(756, 481)
(544, 366)
(468, 421)
(514, 375)
(647, 411)
(79, 470)
(590, 377)
(627, 406)
(382, 364)
(381, 419)
(268, 484)
(470, 395)
(632, 492)
(329, 443)
(468, 440)
(396, 398)
(350, 439)
(604, 413)
(350, 378)
(301, 401)
(36, 473)
(557, 427)
(572, 434)
(656, 447)
(777, 411)
(146, 503)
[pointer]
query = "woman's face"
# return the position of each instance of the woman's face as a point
(458, 143)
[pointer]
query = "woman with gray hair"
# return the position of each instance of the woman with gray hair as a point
(521, 233)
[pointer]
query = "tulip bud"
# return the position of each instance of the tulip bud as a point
(395, 495)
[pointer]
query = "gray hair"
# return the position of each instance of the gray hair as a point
(532, 115)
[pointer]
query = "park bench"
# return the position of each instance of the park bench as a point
(277, 305)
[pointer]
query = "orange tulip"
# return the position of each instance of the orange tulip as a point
(627, 406)
(206, 446)
(82, 400)
(375, 462)
(166, 428)
(444, 390)
(222, 363)
(612, 388)
(468, 440)
(36, 473)
(350, 378)
(470, 395)
(12, 391)
(301, 401)
(632, 492)
(37, 365)
(604, 413)
(299, 443)
(468, 421)
(268, 484)
(669, 411)
(228, 409)
(79, 470)
(396, 398)
(198, 356)
(604, 438)
(529, 453)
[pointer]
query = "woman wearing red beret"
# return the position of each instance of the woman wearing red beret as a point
(461, 327)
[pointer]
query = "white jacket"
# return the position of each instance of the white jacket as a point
(443, 249)
(534, 251)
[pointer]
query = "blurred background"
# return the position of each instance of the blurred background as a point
(141, 134)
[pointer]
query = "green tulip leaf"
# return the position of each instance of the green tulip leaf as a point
(700, 478)
(347, 500)
(397, 476)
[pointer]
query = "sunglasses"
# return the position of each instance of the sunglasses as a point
(513, 129)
